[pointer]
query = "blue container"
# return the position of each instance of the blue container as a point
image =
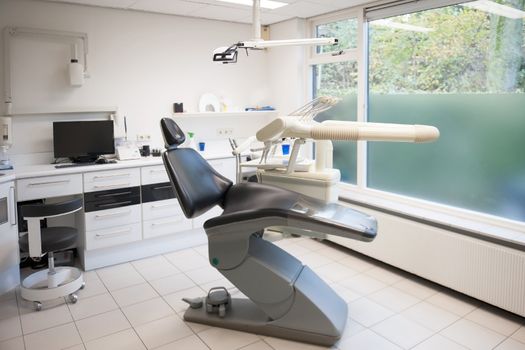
(286, 149)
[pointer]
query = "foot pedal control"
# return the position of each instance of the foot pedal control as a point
(218, 301)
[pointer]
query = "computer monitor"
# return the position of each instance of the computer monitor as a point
(83, 141)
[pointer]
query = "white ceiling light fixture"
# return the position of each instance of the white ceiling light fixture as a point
(495, 8)
(404, 26)
(229, 54)
(265, 4)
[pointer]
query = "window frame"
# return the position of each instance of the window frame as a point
(477, 222)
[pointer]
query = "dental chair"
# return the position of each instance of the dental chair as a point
(286, 298)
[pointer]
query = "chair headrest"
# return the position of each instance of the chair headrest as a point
(173, 135)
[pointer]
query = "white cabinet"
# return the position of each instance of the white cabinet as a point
(113, 236)
(154, 174)
(99, 219)
(161, 209)
(48, 186)
(165, 226)
(105, 228)
(9, 257)
(111, 179)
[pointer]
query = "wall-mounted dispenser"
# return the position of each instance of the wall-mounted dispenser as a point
(76, 69)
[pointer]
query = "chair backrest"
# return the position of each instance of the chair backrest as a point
(50, 210)
(197, 185)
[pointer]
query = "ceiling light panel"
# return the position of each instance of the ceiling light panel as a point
(266, 4)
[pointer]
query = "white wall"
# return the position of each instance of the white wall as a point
(139, 62)
(287, 74)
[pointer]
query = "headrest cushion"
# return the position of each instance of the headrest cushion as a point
(173, 135)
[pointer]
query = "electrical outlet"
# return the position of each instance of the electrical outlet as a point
(143, 137)
(225, 132)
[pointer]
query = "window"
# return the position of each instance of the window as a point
(344, 30)
(334, 73)
(462, 69)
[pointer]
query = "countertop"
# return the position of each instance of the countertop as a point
(37, 170)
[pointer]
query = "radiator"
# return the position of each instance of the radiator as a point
(483, 270)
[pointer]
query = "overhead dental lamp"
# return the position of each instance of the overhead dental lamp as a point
(228, 54)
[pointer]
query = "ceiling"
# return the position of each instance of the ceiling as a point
(212, 9)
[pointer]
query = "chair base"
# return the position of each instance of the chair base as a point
(246, 316)
(42, 286)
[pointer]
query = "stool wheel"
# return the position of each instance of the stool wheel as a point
(83, 285)
(72, 298)
(37, 305)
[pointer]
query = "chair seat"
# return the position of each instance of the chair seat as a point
(53, 239)
(252, 201)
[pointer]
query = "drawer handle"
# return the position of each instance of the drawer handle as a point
(110, 176)
(112, 234)
(120, 213)
(111, 186)
(161, 187)
(48, 183)
(166, 222)
(113, 204)
(160, 206)
(113, 194)
(157, 171)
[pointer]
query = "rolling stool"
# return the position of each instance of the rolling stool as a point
(53, 282)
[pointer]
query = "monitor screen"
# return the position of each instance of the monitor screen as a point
(83, 138)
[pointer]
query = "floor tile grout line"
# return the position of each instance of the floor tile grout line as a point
(517, 330)
(162, 297)
(501, 342)
(265, 342)
(126, 317)
(20, 319)
(379, 335)
(202, 340)
(246, 345)
(78, 331)
(484, 326)
(450, 325)
(171, 342)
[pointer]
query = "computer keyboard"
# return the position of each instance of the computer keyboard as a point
(72, 165)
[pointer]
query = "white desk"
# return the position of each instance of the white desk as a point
(127, 232)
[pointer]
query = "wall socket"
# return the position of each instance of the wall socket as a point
(225, 132)
(143, 137)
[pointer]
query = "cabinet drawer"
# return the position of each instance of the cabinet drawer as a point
(112, 217)
(161, 209)
(157, 192)
(166, 226)
(111, 199)
(112, 179)
(113, 236)
(154, 174)
(48, 186)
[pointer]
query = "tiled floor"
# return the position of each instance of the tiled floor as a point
(138, 306)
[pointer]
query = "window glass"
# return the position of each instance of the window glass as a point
(462, 69)
(339, 80)
(345, 31)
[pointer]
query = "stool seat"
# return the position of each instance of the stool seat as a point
(53, 239)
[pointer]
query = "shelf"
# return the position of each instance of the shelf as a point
(66, 110)
(223, 114)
